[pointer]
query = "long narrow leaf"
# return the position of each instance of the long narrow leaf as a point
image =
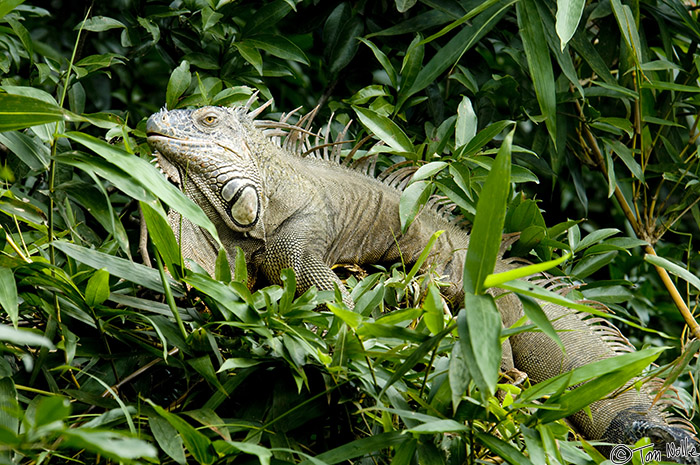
(8, 294)
(502, 449)
(449, 55)
(125, 269)
(359, 447)
(149, 177)
(495, 280)
(673, 269)
(568, 16)
(479, 327)
(19, 112)
(385, 129)
(488, 223)
(589, 371)
(572, 401)
(538, 61)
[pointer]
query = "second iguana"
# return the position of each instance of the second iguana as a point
(288, 205)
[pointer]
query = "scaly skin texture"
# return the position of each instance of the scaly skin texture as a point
(289, 211)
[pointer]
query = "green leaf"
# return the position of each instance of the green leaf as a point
(167, 438)
(97, 290)
(538, 60)
(29, 149)
(672, 86)
(411, 66)
(488, 222)
(180, 80)
(576, 399)
(479, 327)
(251, 55)
(587, 372)
(628, 28)
(240, 271)
(279, 46)
(340, 37)
(109, 443)
(434, 317)
(538, 292)
(149, 178)
(415, 357)
(592, 263)
(450, 54)
(23, 337)
(503, 449)
(19, 112)
(8, 294)
(51, 409)
(223, 294)
(568, 16)
(484, 136)
(197, 443)
(99, 24)
(534, 445)
(120, 267)
(423, 256)
(115, 175)
(439, 426)
(236, 362)
(8, 5)
(204, 367)
(413, 198)
(465, 129)
(95, 199)
(359, 448)
(162, 235)
(428, 170)
(534, 313)
(419, 22)
(267, 16)
(495, 280)
(10, 419)
(594, 237)
(383, 60)
(673, 269)
(264, 454)
(350, 318)
(22, 33)
(625, 153)
(222, 270)
(404, 5)
(385, 129)
(458, 375)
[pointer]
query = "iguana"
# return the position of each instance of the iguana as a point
(290, 205)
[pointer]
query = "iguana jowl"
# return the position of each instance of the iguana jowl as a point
(286, 210)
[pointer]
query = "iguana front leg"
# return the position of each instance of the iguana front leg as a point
(309, 268)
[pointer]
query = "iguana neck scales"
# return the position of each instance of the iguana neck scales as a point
(308, 213)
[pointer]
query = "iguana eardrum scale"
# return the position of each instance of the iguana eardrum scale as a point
(290, 205)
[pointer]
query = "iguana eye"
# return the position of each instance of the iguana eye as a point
(209, 119)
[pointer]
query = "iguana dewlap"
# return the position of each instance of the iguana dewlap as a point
(287, 210)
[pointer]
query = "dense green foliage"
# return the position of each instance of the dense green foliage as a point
(106, 357)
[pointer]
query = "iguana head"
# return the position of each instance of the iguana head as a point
(205, 151)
